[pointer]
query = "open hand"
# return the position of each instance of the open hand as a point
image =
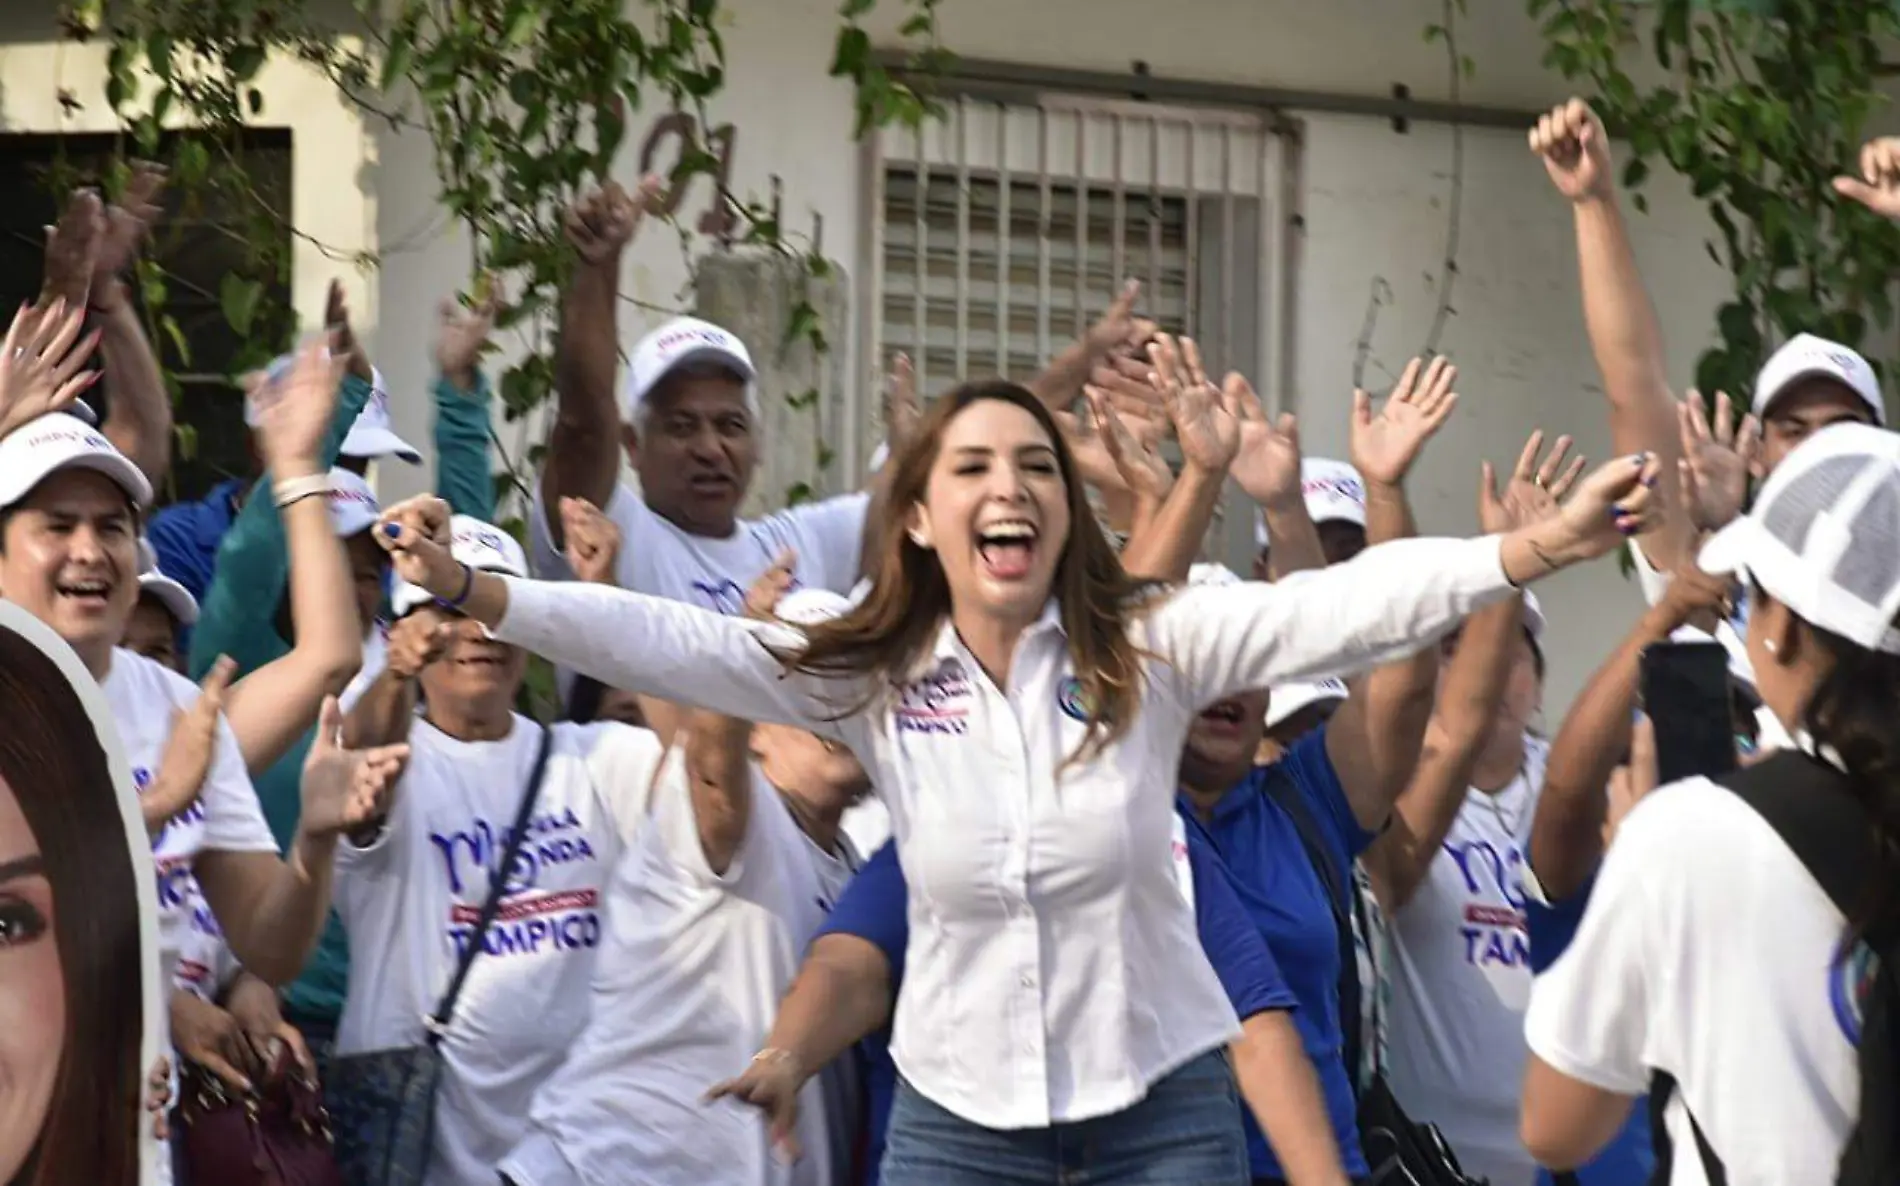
(1576, 151)
(903, 410)
(1119, 327)
(72, 251)
(293, 411)
(1716, 460)
(127, 222)
(1207, 429)
(1533, 492)
(42, 364)
(593, 541)
(1384, 446)
(192, 744)
(1267, 464)
(462, 337)
(1140, 467)
(1878, 186)
(344, 789)
(343, 339)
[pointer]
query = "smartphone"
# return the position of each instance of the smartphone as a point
(1686, 695)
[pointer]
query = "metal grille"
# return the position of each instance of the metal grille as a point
(1002, 230)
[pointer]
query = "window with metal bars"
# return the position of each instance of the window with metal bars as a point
(1006, 228)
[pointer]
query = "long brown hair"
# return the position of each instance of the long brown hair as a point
(51, 757)
(894, 627)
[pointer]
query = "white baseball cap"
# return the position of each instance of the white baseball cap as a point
(56, 441)
(1287, 699)
(1334, 493)
(1823, 537)
(679, 342)
(176, 599)
(1806, 356)
(353, 505)
(484, 547)
(372, 436)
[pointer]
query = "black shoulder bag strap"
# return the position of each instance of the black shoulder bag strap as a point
(438, 1022)
(1282, 790)
(1807, 803)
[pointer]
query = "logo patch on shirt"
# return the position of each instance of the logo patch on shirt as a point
(1850, 979)
(937, 703)
(1073, 701)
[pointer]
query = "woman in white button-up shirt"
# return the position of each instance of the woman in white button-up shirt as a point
(1022, 709)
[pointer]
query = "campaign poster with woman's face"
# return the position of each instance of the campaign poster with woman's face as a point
(79, 999)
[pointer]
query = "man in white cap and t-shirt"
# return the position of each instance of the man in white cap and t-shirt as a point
(688, 420)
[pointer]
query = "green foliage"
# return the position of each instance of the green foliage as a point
(525, 103)
(1764, 103)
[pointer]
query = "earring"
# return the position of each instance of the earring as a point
(1770, 645)
(917, 537)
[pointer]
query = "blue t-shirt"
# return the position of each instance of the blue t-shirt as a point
(186, 536)
(1286, 899)
(874, 907)
(1630, 1159)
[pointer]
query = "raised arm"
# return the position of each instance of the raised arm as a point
(1375, 738)
(462, 396)
(1624, 334)
(1267, 469)
(626, 640)
(593, 545)
(273, 706)
(1386, 602)
(272, 910)
(1567, 832)
(584, 444)
(1474, 685)
(1209, 431)
(385, 712)
(1061, 381)
(139, 418)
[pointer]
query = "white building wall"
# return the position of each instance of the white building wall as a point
(1373, 202)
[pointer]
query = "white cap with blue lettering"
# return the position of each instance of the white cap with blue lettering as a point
(484, 547)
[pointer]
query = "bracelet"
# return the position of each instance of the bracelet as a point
(291, 490)
(468, 587)
(294, 499)
(775, 1054)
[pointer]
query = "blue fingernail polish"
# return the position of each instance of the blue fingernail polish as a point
(392, 530)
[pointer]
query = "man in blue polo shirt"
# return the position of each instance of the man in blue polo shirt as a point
(846, 990)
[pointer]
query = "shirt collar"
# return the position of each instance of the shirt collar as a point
(949, 646)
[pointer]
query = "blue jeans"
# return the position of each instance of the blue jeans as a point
(1185, 1132)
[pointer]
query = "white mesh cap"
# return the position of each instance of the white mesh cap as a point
(1823, 537)
(484, 547)
(1334, 493)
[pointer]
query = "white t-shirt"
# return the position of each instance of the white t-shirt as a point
(375, 658)
(410, 900)
(1462, 978)
(1707, 951)
(659, 558)
(226, 818)
(684, 994)
(205, 964)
